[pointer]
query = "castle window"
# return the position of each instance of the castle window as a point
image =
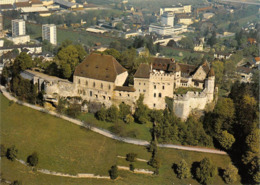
(96, 96)
(154, 105)
(163, 87)
(120, 94)
(144, 83)
(160, 95)
(94, 84)
(128, 95)
(109, 98)
(196, 83)
(101, 86)
(109, 87)
(84, 93)
(144, 90)
(90, 93)
(154, 86)
(154, 95)
(79, 81)
(139, 83)
(86, 83)
(104, 97)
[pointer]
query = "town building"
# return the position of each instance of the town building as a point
(3, 2)
(176, 9)
(222, 55)
(1, 23)
(18, 27)
(49, 33)
(100, 79)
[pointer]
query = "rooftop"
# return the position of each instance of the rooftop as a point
(99, 67)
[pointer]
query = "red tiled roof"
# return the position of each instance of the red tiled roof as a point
(99, 67)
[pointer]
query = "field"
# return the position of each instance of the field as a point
(66, 34)
(67, 148)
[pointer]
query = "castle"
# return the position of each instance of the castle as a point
(100, 78)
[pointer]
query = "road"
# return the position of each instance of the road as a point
(106, 133)
(241, 1)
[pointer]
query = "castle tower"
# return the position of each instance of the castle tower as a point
(210, 85)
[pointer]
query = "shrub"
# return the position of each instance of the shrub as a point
(33, 159)
(131, 157)
(132, 167)
(11, 153)
(113, 172)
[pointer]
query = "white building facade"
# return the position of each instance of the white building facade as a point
(18, 27)
(49, 32)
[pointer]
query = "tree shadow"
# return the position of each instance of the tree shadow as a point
(194, 166)
(174, 167)
(221, 173)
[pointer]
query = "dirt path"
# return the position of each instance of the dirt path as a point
(109, 134)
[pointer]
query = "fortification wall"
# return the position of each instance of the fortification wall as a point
(183, 105)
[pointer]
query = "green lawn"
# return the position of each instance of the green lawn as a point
(184, 90)
(65, 147)
(142, 131)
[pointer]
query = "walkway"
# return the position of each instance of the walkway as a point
(79, 175)
(107, 133)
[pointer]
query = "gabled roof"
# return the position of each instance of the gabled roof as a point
(99, 67)
(143, 71)
(22, 4)
(244, 70)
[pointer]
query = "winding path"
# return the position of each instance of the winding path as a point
(107, 133)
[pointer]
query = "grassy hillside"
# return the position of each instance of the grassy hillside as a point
(65, 147)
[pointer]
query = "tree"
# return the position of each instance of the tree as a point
(142, 111)
(186, 43)
(218, 67)
(124, 110)
(113, 172)
(66, 70)
(183, 171)
(206, 171)
(33, 159)
(3, 150)
(102, 114)
(213, 39)
(115, 53)
(112, 113)
(230, 174)
(155, 161)
(226, 140)
(22, 62)
(11, 153)
(131, 157)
